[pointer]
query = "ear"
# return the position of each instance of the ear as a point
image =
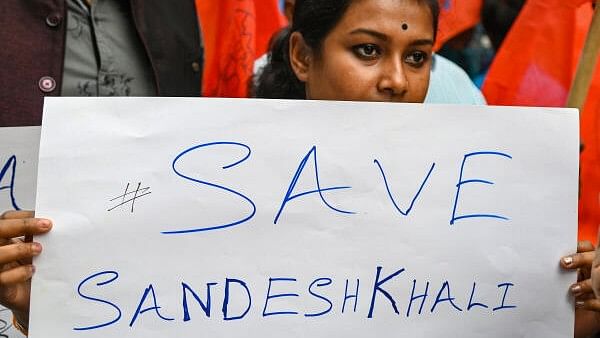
(300, 56)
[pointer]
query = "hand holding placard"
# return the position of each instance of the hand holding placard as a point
(18, 172)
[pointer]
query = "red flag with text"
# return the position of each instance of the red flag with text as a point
(235, 33)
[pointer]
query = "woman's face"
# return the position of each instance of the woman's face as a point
(379, 51)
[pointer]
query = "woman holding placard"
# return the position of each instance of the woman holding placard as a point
(364, 50)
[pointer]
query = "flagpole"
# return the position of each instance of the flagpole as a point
(587, 63)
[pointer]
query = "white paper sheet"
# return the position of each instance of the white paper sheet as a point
(19, 148)
(157, 201)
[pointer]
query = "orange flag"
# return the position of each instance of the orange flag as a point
(456, 16)
(536, 65)
(589, 201)
(538, 58)
(235, 33)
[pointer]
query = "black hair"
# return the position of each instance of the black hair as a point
(314, 19)
(497, 17)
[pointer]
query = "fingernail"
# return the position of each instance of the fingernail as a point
(568, 260)
(575, 289)
(32, 269)
(44, 224)
(36, 248)
(579, 304)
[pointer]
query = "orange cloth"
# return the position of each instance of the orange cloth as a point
(456, 16)
(235, 33)
(589, 201)
(538, 58)
(536, 66)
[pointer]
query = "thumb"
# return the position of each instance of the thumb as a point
(595, 273)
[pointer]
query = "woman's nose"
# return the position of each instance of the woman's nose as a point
(393, 80)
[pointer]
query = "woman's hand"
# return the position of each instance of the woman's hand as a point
(16, 250)
(587, 289)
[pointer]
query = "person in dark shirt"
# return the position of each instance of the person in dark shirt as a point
(95, 48)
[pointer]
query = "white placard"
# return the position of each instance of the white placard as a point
(19, 148)
(246, 218)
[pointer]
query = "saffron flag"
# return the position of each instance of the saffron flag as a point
(538, 58)
(536, 66)
(235, 33)
(589, 201)
(456, 16)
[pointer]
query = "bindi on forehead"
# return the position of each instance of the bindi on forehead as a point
(404, 26)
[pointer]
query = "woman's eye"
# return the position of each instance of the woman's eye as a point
(367, 51)
(416, 58)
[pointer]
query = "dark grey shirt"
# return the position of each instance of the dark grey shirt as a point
(104, 55)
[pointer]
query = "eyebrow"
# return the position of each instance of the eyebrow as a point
(376, 34)
(384, 37)
(422, 42)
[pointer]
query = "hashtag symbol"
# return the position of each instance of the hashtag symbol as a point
(130, 196)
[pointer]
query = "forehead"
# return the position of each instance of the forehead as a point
(388, 17)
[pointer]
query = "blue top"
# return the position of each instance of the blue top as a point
(450, 84)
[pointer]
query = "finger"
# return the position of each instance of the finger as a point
(16, 275)
(19, 251)
(581, 276)
(595, 278)
(12, 214)
(10, 228)
(582, 288)
(590, 304)
(584, 246)
(29, 239)
(597, 258)
(578, 260)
